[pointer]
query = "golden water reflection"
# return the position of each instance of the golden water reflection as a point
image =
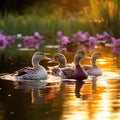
(59, 101)
(103, 104)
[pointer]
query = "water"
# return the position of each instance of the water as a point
(57, 101)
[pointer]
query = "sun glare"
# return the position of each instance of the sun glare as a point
(102, 61)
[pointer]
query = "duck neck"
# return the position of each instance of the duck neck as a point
(62, 63)
(76, 61)
(35, 63)
(93, 62)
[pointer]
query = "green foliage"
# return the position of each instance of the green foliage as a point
(105, 16)
(29, 23)
(101, 16)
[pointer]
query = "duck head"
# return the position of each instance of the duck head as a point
(37, 57)
(96, 55)
(78, 56)
(60, 59)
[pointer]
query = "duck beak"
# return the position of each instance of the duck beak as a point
(52, 61)
(88, 57)
(47, 58)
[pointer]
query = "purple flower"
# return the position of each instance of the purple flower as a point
(83, 47)
(59, 34)
(92, 43)
(78, 35)
(113, 40)
(106, 35)
(3, 42)
(28, 41)
(64, 40)
(84, 38)
(36, 44)
(116, 42)
(87, 34)
(60, 49)
(37, 35)
(10, 40)
(92, 47)
(99, 36)
(1, 32)
(116, 49)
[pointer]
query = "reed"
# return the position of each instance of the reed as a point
(31, 22)
(105, 16)
(101, 16)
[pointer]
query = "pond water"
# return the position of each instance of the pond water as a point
(57, 101)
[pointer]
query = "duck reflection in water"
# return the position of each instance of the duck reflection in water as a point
(41, 92)
(40, 96)
(65, 72)
(79, 73)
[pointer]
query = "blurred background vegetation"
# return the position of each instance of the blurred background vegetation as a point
(28, 16)
(50, 16)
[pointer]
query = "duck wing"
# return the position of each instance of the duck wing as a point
(79, 73)
(88, 69)
(67, 72)
(23, 71)
(56, 71)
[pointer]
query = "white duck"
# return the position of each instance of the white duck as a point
(37, 72)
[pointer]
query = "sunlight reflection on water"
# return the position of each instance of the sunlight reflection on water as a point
(57, 101)
(103, 104)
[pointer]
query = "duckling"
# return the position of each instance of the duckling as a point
(37, 72)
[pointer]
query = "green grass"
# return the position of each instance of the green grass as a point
(28, 23)
(101, 16)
